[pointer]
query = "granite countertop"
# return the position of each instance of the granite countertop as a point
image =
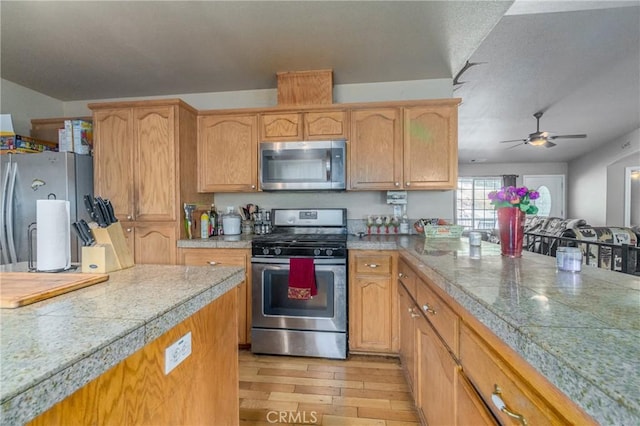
(50, 349)
(579, 330)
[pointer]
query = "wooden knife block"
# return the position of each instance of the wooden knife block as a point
(111, 252)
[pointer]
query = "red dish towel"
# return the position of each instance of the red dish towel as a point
(302, 278)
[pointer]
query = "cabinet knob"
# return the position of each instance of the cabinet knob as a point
(212, 262)
(413, 314)
(428, 310)
(401, 275)
(397, 184)
(372, 265)
(497, 400)
(129, 217)
(407, 183)
(129, 229)
(253, 187)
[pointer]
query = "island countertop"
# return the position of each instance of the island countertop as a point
(50, 349)
(581, 331)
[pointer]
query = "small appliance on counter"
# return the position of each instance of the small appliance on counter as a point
(231, 222)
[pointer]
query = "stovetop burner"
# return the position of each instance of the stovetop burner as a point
(318, 233)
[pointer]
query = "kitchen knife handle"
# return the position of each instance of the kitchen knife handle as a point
(76, 230)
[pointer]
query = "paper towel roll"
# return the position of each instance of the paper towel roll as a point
(53, 245)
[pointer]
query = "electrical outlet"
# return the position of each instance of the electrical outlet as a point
(177, 352)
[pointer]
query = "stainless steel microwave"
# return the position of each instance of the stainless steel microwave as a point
(303, 166)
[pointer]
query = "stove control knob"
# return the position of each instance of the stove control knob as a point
(329, 252)
(316, 252)
(265, 251)
(277, 251)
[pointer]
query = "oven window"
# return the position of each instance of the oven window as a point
(276, 302)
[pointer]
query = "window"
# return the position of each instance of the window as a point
(473, 208)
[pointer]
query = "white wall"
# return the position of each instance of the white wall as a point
(616, 189)
(24, 104)
(591, 196)
(519, 169)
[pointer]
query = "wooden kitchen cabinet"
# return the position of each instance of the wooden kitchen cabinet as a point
(375, 149)
(46, 129)
(408, 314)
(430, 142)
(470, 410)
(229, 257)
(227, 153)
(404, 146)
(143, 163)
(373, 316)
(436, 371)
(307, 125)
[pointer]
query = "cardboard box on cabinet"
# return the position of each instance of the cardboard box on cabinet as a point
(77, 136)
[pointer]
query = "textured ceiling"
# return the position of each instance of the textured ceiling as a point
(576, 61)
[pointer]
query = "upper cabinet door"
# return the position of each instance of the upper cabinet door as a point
(227, 153)
(431, 147)
(325, 125)
(281, 127)
(375, 149)
(155, 172)
(113, 159)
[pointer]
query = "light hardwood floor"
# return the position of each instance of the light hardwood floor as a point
(367, 391)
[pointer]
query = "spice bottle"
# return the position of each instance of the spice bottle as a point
(213, 221)
(204, 225)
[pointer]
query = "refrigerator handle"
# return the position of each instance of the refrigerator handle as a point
(13, 258)
(3, 214)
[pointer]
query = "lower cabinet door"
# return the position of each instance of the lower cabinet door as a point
(155, 244)
(470, 410)
(436, 375)
(408, 317)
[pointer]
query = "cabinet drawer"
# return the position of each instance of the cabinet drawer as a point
(407, 277)
(444, 320)
(373, 264)
(494, 379)
(202, 257)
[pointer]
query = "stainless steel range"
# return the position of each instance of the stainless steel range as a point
(314, 327)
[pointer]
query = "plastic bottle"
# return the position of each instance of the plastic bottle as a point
(213, 221)
(204, 225)
(404, 225)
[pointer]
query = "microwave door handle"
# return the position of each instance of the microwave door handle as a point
(328, 164)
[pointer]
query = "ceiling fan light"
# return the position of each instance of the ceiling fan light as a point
(538, 141)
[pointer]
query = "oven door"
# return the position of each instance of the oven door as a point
(271, 308)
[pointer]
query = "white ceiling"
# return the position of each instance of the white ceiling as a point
(577, 61)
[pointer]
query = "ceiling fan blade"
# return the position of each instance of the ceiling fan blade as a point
(517, 145)
(549, 144)
(514, 140)
(567, 137)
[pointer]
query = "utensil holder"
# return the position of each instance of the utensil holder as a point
(100, 258)
(113, 235)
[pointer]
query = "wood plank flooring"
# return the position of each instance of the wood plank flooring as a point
(367, 391)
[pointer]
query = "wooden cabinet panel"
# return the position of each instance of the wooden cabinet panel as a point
(281, 127)
(408, 315)
(373, 298)
(436, 372)
(407, 277)
(46, 129)
(325, 125)
(375, 149)
(155, 163)
(113, 159)
(430, 147)
(155, 243)
(230, 257)
(492, 376)
(470, 410)
(227, 153)
(203, 389)
(444, 320)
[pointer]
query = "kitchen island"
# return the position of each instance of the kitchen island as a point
(580, 331)
(52, 349)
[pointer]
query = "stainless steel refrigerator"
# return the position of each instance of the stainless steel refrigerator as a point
(30, 177)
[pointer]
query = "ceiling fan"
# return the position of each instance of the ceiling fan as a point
(539, 138)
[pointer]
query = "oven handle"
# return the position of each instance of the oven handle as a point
(285, 261)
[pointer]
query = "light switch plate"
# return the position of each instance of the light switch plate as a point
(177, 352)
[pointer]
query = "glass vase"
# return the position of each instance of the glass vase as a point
(511, 227)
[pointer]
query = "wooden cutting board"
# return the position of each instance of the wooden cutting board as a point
(23, 288)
